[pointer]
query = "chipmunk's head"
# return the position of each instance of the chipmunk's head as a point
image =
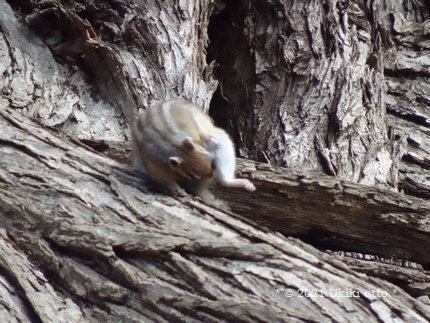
(194, 161)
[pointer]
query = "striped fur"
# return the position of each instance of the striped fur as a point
(178, 146)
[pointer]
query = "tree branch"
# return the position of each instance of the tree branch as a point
(134, 255)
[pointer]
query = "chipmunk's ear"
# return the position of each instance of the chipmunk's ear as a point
(188, 143)
(175, 162)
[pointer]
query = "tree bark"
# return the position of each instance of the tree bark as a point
(316, 88)
(332, 86)
(325, 211)
(293, 91)
(104, 248)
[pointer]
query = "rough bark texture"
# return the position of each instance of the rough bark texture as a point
(337, 214)
(407, 67)
(108, 250)
(317, 77)
(316, 94)
(326, 211)
(302, 84)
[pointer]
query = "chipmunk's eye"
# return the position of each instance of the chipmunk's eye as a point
(175, 162)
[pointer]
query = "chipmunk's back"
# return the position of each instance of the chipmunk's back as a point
(166, 143)
(178, 146)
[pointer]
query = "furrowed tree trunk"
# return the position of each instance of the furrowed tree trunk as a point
(337, 91)
(90, 243)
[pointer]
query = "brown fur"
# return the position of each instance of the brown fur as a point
(163, 132)
(180, 147)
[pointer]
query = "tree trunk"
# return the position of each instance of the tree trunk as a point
(303, 85)
(306, 84)
(104, 248)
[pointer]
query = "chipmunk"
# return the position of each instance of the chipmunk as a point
(179, 147)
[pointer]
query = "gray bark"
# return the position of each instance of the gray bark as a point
(106, 249)
(317, 89)
(326, 211)
(304, 85)
(322, 81)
